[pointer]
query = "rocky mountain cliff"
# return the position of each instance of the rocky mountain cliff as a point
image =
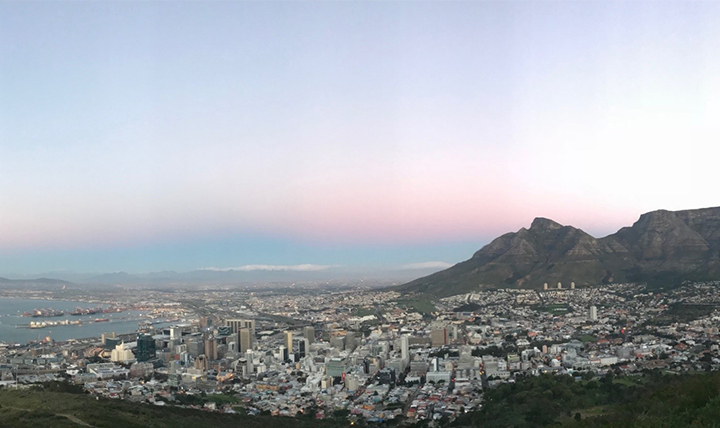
(661, 246)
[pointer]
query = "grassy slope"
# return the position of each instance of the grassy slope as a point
(33, 408)
(649, 401)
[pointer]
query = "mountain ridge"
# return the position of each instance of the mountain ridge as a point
(660, 245)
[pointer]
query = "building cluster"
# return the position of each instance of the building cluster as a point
(371, 355)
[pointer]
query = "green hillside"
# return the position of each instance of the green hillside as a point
(42, 408)
(652, 400)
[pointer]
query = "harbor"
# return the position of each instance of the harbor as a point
(24, 320)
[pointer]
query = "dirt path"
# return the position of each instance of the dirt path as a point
(65, 415)
(75, 419)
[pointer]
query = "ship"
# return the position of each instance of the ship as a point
(101, 320)
(41, 313)
(87, 311)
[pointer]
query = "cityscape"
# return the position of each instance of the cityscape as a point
(372, 354)
(371, 214)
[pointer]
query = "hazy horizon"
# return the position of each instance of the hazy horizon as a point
(151, 136)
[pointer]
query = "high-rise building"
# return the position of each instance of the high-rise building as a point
(572, 285)
(175, 333)
(309, 333)
(335, 367)
(236, 324)
(405, 347)
(289, 341)
(211, 349)
(545, 286)
(121, 354)
(593, 313)
(350, 341)
(145, 347)
(559, 285)
(201, 363)
(246, 336)
(110, 340)
(195, 346)
(250, 364)
(106, 336)
(351, 383)
(438, 337)
(303, 347)
(284, 354)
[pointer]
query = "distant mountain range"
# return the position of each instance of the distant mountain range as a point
(46, 283)
(661, 247)
(247, 275)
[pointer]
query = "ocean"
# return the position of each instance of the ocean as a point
(11, 318)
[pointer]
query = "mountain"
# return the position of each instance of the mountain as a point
(255, 275)
(33, 283)
(662, 246)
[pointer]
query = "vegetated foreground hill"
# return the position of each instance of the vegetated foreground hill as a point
(647, 400)
(38, 408)
(661, 246)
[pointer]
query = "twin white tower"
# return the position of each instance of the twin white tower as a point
(559, 286)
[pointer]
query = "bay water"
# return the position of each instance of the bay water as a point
(11, 320)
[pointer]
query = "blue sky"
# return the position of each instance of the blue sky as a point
(178, 135)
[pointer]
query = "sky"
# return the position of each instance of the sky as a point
(143, 136)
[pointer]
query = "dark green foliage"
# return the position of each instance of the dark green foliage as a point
(63, 387)
(38, 408)
(653, 400)
(667, 280)
(467, 307)
(493, 350)
(442, 352)
(682, 312)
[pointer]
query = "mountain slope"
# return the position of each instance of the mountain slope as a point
(34, 283)
(659, 244)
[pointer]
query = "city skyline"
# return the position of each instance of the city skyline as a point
(183, 136)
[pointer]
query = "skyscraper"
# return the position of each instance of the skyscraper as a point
(250, 364)
(289, 341)
(195, 346)
(211, 349)
(439, 337)
(405, 347)
(303, 347)
(593, 313)
(201, 363)
(175, 333)
(246, 336)
(350, 341)
(309, 333)
(145, 347)
(236, 324)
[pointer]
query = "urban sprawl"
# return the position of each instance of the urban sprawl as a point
(373, 354)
